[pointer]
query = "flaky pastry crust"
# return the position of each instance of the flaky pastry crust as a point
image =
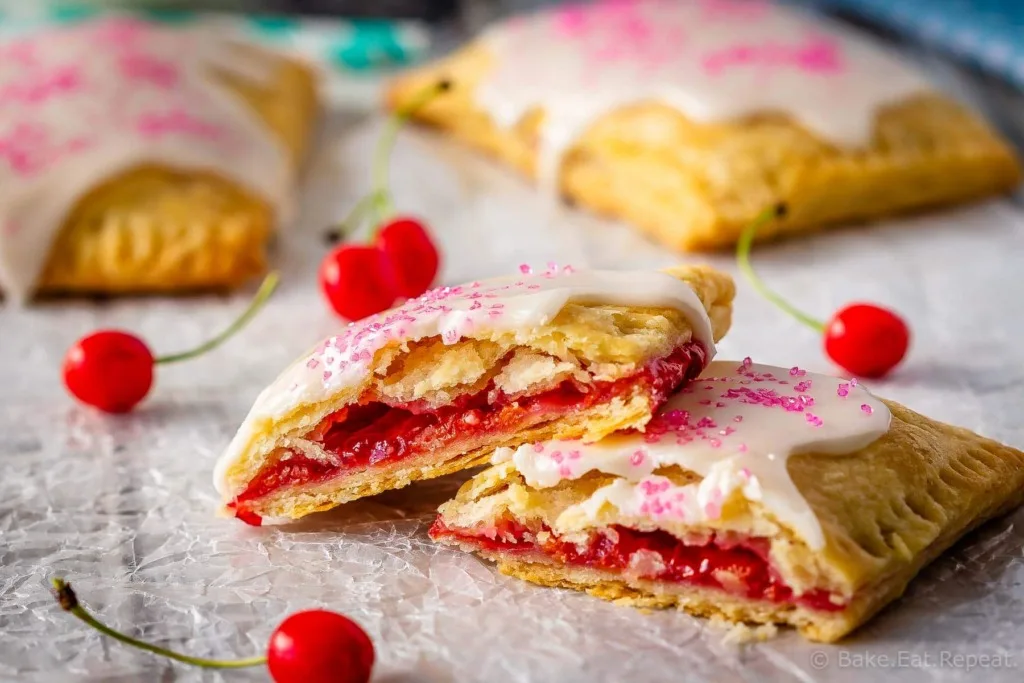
(886, 510)
(695, 186)
(154, 229)
(585, 342)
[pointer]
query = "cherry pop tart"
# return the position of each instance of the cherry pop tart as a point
(687, 117)
(139, 156)
(434, 386)
(759, 494)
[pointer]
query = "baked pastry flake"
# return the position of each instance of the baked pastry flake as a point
(757, 494)
(688, 118)
(434, 386)
(143, 157)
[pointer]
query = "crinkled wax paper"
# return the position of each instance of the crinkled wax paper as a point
(124, 506)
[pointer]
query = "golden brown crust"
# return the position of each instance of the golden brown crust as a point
(887, 511)
(695, 186)
(155, 229)
(592, 342)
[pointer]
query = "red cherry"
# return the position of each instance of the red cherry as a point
(863, 339)
(405, 264)
(353, 279)
(412, 259)
(317, 646)
(866, 340)
(110, 370)
(314, 646)
(113, 370)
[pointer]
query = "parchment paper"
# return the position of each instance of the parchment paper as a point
(124, 506)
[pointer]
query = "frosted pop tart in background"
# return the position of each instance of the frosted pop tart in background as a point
(686, 119)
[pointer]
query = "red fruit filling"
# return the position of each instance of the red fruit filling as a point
(373, 434)
(738, 568)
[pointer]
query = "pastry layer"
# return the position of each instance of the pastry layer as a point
(421, 407)
(694, 186)
(886, 510)
(157, 229)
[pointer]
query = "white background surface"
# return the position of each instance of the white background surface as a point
(124, 507)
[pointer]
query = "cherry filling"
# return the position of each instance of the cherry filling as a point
(372, 434)
(740, 569)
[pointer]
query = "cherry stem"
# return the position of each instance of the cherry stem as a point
(383, 207)
(743, 259)
(355, 217)
(264, 292)
(69, 603)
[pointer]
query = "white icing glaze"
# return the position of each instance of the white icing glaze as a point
(736, 426)
(713, 60)
(79, 105)
(518, 303)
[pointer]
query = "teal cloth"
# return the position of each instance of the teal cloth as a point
(357, 45)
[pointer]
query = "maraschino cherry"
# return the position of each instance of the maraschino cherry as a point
(401, 261)
(313, 646)
(864, 339)
(113, 370)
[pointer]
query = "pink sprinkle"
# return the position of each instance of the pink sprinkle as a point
(747, 362)
(745, 473)
(866, 408)
(705, 402)
(843, 390)
(312, 363)
(715, 443)
(557, 456)
(564, 472)
(568, 270)
(538, 448)
(742, 448)
(574, 455)
(796, 372)
(636, 459)
(648, 487)
(738, 418)
(476, 306)
(727, 431)
(853, 382)
(525, 269)
(327, 375)
(712, 511)
(813, 419)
